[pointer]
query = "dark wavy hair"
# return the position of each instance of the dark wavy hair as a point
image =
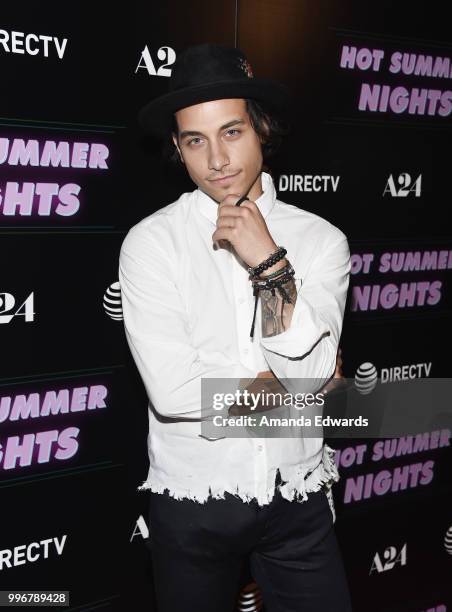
(271, 137)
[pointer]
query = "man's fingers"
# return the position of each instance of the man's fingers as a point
(226, 221)
(222, 243)
(229, 211)
(242, 199)
(223, 233)
(266, 374)
(231, 198)
(236, 212)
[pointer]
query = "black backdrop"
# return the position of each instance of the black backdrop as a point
(71, 517)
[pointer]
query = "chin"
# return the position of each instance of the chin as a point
(218, 193)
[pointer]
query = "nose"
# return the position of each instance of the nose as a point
(218, 157)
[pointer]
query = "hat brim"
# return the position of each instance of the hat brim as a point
(155, 117)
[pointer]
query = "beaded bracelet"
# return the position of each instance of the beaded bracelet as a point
(270, 261)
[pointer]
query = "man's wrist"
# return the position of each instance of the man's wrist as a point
(274, 268)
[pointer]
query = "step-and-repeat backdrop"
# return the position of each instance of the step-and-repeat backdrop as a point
(369, 150)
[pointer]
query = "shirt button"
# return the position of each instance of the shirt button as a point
(246, 351)
(241, 300)
(260, 447)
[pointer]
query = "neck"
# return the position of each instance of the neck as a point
(255, 190)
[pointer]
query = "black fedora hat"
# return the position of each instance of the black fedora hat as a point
(210, 72)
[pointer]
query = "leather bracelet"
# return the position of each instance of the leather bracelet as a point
(287, 269)
(274, 283)
(277, 273)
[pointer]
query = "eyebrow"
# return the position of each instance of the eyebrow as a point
(186, 133)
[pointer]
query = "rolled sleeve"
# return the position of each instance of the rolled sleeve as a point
(308, 347)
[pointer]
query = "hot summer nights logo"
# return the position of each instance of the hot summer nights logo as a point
(37, 198)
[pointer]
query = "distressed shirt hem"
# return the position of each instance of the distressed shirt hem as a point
(296, 485)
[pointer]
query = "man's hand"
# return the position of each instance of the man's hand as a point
(338, 379)
(265, 382)
(266, 374)
(245, 228)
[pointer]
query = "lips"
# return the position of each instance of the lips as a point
(224, 178)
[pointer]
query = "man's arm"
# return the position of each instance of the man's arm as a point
(276, 317)
(299, 343)
(157, 330)
(307, 349)
(277, 314)
(302, 342)
(273, 385)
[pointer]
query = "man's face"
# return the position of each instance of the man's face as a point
(217, 140)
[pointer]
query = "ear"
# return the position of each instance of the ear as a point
(176, 144)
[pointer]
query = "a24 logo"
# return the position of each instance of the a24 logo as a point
(405, 186)
(9, 308)
(389, 559)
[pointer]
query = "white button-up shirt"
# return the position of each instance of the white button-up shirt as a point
(187, 315)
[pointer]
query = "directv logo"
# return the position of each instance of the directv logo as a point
(366, 376)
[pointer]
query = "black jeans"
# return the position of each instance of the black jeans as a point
(198, 551)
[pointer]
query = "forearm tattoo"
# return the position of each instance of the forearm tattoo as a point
(276, 315)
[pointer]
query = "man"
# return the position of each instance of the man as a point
(188, 304)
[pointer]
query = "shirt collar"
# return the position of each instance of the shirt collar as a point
(265, 202)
